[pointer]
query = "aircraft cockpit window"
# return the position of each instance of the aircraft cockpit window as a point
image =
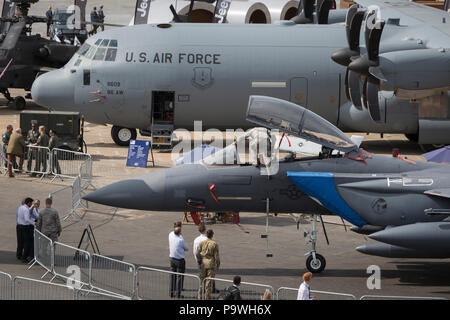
(105, 43)
(84, 49)
(100, 54)
(113, 44)
(97, 43)
(293, 119)
(111, 54)
(91, 52)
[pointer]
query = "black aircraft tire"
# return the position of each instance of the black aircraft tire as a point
(122, 136)
(413, 137)
(317, 267)
(20, 103)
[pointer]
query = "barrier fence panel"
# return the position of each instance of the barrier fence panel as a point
(67, 163)
(113, 275)
(3, 163)
(30, 289)
(38, 160)
(83, 294)
(249, 291)
(376, 297)
(66, 256)
(285, 293)
(43, 251)
(85, 173)
(6, 286)
(154, 284)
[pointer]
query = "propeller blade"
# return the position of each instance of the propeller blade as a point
(354, 30)
(372, 87)
(353, 23)
(348, 19)
(364, 94)
(306, 15)
(353, 83)
(323, 9)
(13, 35)
(373, 48)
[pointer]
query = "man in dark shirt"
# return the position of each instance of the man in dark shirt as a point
(49, 15)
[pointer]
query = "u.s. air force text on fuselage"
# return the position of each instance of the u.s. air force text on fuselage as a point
(173, 58)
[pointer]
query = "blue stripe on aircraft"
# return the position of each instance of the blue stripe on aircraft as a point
(320, 185)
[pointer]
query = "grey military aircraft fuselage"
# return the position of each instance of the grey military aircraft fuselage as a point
(175, 74)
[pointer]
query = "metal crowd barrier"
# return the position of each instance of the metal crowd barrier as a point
(76, 199)
(30, 289)
(6, 286)
(285, 293)
(66, 256)
(43, 252)
(66, 164)
(249, 291)
(3, 168)
(41, 158)
(154, 284)
(113, 276)
(85, 174)
(83, 294)
(376, 297)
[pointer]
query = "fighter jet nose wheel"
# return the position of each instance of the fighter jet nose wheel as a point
(19, 103)
(122, 136)
(316, 265)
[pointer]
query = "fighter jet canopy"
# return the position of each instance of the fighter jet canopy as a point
(295, 120)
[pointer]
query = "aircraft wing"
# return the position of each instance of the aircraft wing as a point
(405, 50)
(444, 193)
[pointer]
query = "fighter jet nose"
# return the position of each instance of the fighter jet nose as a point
(53, 90)
(129, 194)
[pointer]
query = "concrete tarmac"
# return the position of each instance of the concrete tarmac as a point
(140, 237)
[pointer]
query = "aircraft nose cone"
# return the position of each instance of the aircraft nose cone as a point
(53, 90)
(137, 193)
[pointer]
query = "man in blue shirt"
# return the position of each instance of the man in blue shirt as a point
(177, 253)
(49, 15)
(25, 231)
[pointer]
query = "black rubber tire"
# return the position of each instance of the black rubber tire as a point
(315, 268)
(19, 103)
(116, 137)
(413, 137)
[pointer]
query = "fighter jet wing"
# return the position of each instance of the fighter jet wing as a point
(444, 193)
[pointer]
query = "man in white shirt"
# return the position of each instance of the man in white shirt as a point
(36, 211)
(177, 248)
(25, 230)
(304, 290)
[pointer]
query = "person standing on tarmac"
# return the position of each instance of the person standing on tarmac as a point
(177, 254)
(48, 222)
(15, 149)
(42, 141)
(52, 144)
(208, 254)
(5, 140)
(32, 137)
(25, 230)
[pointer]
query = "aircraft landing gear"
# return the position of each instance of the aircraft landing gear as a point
(19, 103)
(315, 262)
(122, 136)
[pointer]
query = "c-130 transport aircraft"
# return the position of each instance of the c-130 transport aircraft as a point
(139, 76)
